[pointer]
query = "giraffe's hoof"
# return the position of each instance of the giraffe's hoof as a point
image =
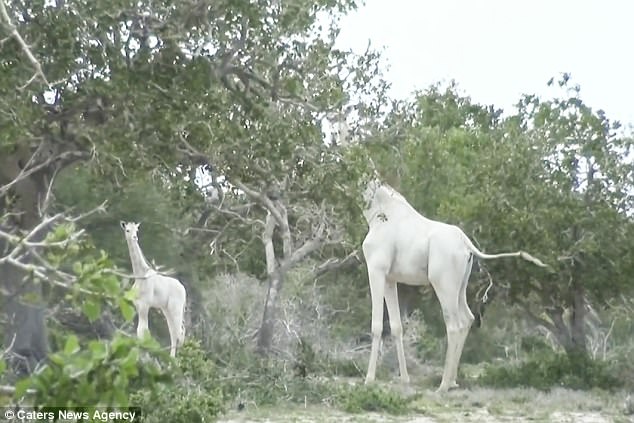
(445, 387)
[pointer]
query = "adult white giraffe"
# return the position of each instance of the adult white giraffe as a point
(403, 246)
(155, 291)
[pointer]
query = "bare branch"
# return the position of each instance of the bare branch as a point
(10, 390)
(42, 205)
(101, 208)
(298, 255)
(336, 263)
(42, 269)
(262, 200)
(21, 242)
(10, 347)
(25, 48)
(26, 173)
(235, 212)
(539, 321)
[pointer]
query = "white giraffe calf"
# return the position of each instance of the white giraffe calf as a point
(404, 246)
(155, 290)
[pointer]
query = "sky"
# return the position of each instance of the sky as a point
(497, 50)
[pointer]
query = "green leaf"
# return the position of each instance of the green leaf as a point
(149, 342)
(92, 309)
(120, 344)
(72, 345)
(110, 285)
(131, 294)
(21, 387)
(3, 366)
(127, 309)
(57, 359)
(77, 268)
(99, 350)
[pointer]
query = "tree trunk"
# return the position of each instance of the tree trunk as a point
(570, 331)
(577, 301)
(560, 329)
(25, 335)
(25, 332)
(265, 334)
(577, 321)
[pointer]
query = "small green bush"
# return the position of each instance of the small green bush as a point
(96, 374)
(195, 395)
(546, 369)
(359, 399)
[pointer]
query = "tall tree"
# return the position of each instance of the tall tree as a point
(555, 178)
(134, 89)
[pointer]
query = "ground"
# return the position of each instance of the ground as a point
(480, 405)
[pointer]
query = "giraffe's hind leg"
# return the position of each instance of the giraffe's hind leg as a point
(173, 325)
(447, 274)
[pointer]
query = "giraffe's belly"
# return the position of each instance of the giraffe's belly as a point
(409, 278)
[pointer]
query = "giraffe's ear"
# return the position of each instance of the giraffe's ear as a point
(122, 224)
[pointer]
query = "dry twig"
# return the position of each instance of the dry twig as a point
(13, 31)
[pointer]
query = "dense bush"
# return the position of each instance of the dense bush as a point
(358, 399)
(195, 394)
(97, 373)
(547, 369)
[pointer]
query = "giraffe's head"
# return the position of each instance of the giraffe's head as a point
(130, 229)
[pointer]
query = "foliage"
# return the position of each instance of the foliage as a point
(95, 288)
(96, 374)
(359, 399)
(83, 371)
(152, 96)
(552, 179)
(547, 369)
(195, 393)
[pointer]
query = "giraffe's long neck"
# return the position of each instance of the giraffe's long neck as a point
(139, 265)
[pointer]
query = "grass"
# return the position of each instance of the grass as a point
(474, 404)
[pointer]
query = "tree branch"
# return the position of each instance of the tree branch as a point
(26, 173)
(287, 239)
(335, 263)
(263, 200)
(10, 390)
(44, 270)
(298, 255)
(539, 321)
(267, 239)
(25, 48)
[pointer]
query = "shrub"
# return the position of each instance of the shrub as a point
(195, 395)
(97, 374)
(546, 369)
(359, 399)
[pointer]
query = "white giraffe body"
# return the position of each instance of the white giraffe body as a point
(155, 290)
(402, 246)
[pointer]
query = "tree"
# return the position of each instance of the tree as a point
(133, 89)
(553, 179)
(582, 200)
